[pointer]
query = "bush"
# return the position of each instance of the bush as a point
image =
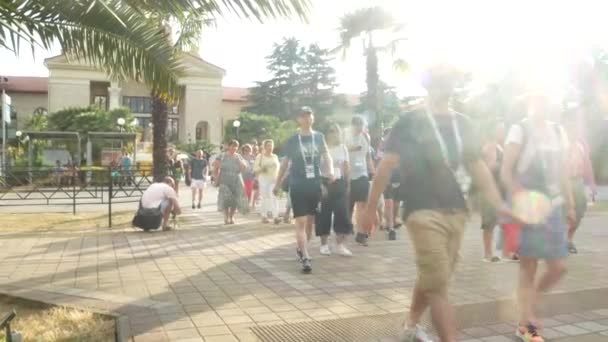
(260, 127)
(191, 148)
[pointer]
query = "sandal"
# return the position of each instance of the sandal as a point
(528, 333)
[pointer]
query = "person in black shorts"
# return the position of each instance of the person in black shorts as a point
(305, 151)
(391, 204)
(361, 165)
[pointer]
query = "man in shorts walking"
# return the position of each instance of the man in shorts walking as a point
(198, 174)
(436, 153)
(361, 165)
(303, 153)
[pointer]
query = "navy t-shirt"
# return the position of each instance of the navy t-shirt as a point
(293, 151)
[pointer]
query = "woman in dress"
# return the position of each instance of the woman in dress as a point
(536, 160)
(228, 169)
(334, 204)
(266, 167)
(248, 174)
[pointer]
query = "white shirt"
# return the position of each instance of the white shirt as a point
(358, 159)
(534, 143)
(339, 155)
(155, 194)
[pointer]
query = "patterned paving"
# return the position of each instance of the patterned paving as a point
(209, 282)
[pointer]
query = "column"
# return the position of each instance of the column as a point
(114, 95)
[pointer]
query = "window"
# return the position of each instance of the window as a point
(101, 101)
(202, 130)
(138, 104)
(173, 129)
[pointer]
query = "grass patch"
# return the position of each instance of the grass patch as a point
(63, 221)
(41, 322)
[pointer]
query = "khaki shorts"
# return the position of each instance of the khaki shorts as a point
(436, 237)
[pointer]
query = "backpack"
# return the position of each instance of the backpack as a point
(147, 218)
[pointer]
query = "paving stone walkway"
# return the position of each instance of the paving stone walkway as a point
(210, 282)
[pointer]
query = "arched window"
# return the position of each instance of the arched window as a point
(202, 130)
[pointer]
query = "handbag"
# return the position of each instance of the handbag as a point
(147, 218)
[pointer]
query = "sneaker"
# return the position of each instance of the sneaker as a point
(325, 250)
(343, 251)
(392, 235)
(361, 239)
(306, 266)
(493, 259)
(277, 221)
(198, 206)
(414, 334)
(528, 333)
(572, 248)
(299, 255)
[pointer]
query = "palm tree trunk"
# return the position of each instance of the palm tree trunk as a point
(160, 118)
(372, 81)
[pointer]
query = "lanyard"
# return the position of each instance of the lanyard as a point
(442, 145)
(314, 147)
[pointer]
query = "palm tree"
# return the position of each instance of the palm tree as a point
(127, 38)
(365, 23)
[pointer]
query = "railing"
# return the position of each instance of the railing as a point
(73, 187)
(5, 324)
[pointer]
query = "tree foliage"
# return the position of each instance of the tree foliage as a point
(300, 76)
(260, 127)
(89, 119)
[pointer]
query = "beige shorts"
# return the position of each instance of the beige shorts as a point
(436, 237)
(197, 184)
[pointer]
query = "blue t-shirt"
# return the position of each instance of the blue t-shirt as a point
(313, 146)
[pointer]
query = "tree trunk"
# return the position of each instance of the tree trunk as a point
(160, 119)
(372, 81)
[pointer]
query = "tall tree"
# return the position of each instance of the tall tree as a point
(300, 76)
(279, 95)
(318, 81)
(364, 24)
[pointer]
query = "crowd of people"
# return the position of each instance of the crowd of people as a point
(429, 168)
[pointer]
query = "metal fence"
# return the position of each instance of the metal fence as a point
(73, 187)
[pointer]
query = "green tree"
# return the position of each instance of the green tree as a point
(364, 24)
(260, 127)
(89, 119)
(300, 76)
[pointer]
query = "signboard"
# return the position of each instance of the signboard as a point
(6, 108)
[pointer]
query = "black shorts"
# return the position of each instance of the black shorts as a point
(305, 196)
(391, 192)
(359, 190)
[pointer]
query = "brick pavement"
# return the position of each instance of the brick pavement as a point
(209, 282)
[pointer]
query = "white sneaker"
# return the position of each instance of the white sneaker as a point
(343, 251)
(325, 250)
(414, 334)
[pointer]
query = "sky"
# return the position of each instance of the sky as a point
(486, 37)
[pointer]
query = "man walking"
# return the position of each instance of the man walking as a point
(436, 151)
(361, 166)
(198, 174)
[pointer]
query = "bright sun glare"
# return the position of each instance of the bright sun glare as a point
(542, 38)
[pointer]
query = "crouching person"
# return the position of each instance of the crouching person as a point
(157, 204)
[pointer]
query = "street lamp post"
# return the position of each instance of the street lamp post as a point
(121, 122)
(18, 134)
(236, 124)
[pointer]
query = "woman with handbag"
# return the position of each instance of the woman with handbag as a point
(334, 203)
(266, 167)
(228, 169)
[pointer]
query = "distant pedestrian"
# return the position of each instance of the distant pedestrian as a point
(266, 167)
(228, 169)
(199, 170)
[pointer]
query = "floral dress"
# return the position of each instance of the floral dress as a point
(231, 189)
